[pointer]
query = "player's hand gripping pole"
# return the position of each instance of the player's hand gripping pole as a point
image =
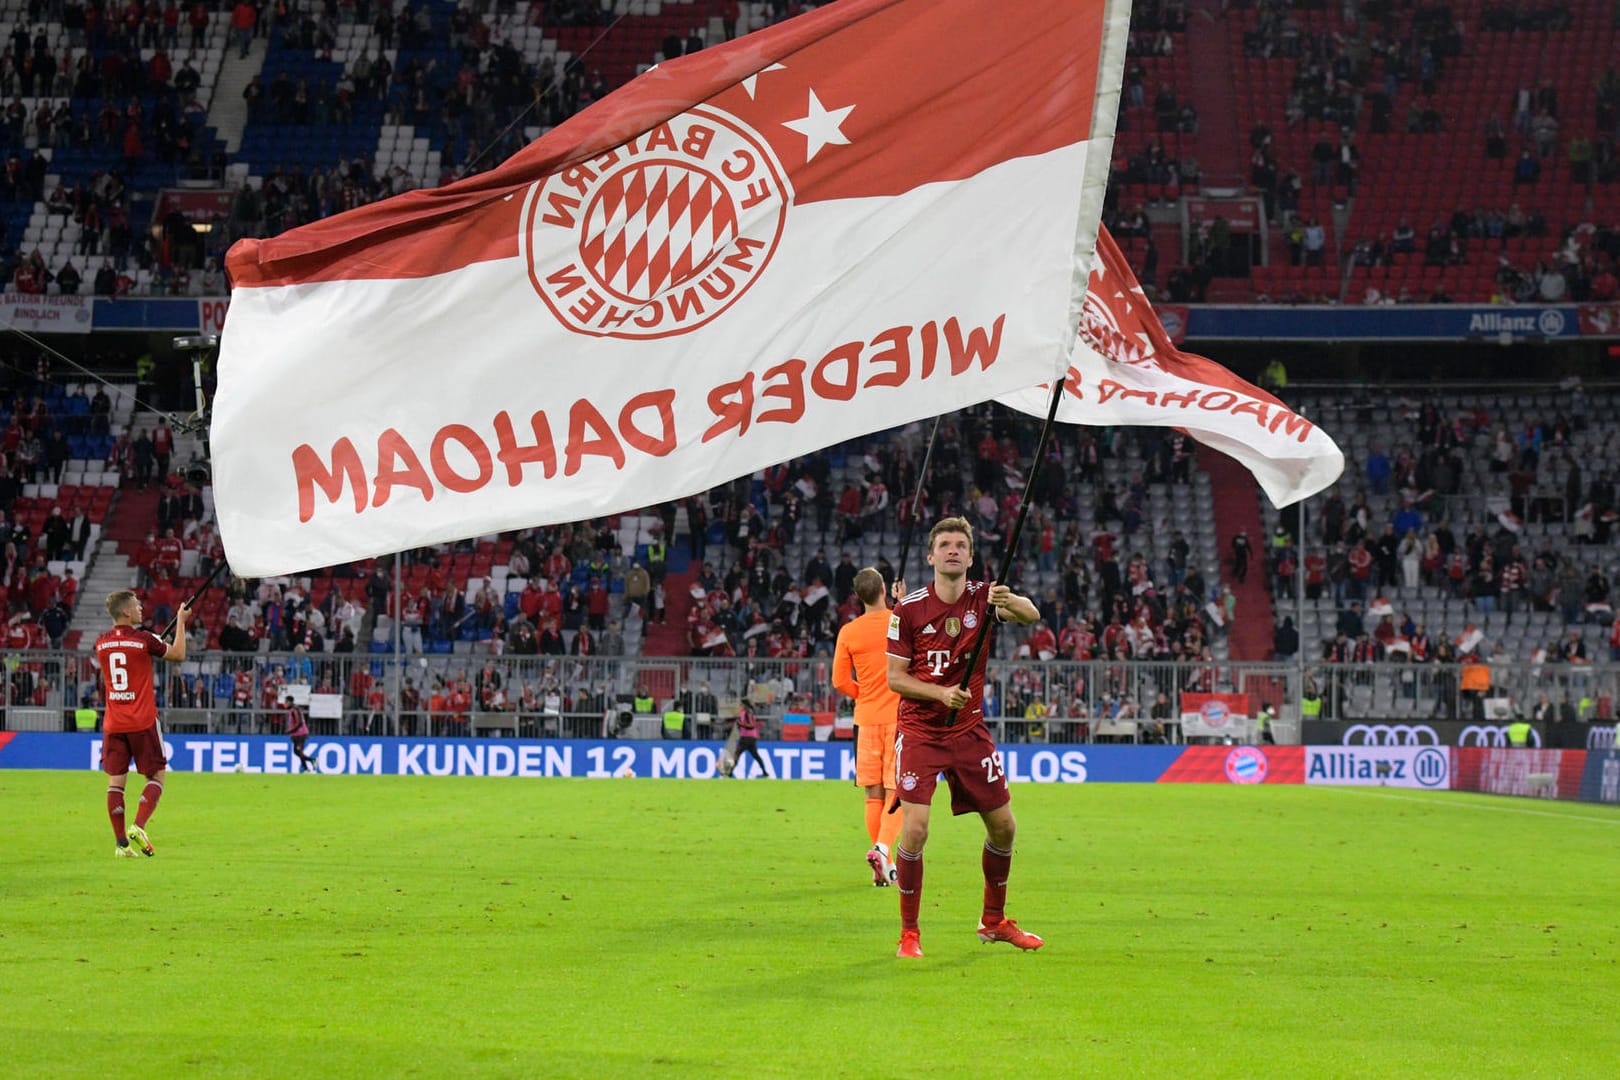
(1009, 552)
(194, 597)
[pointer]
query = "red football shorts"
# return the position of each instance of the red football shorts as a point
(144, 747)
(970, 762)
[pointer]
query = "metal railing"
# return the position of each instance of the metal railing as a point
(593, 697)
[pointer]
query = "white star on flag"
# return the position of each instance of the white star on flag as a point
(820, 127)
(749, 83)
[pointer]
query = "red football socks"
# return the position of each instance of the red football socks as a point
(149, 801)
(115, 813)
(997, 864)
(910, 869)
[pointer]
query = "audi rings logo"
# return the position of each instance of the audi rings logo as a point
(1391, 735)
(1492, 735)
(1600, 738)
(1432, 767)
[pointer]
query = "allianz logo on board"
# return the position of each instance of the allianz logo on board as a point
(1397, 767)
(1549, 321)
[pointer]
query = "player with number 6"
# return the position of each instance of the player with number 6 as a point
(942, 729)
(130, 729)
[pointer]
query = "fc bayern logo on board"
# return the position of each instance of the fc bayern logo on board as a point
(1246, 765)
(661, 235)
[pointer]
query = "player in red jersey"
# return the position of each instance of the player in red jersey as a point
(930, 637)
(130, 728)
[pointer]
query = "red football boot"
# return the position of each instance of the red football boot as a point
(1007, 930)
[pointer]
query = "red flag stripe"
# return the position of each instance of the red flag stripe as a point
(936, 96)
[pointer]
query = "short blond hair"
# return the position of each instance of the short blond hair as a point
(117, 601)
(869, 585)
(951, 525)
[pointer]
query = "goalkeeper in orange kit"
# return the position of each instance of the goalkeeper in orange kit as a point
(860, 670)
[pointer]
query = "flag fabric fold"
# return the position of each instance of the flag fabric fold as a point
(876, 212)
(1126, 371)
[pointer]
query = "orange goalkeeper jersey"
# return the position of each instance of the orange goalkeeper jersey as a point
(861, 668)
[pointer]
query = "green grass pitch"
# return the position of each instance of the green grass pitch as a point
(300, 926)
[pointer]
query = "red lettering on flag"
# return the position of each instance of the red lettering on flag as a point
(310, 472)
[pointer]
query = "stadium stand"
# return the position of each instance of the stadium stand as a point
(1462, 152)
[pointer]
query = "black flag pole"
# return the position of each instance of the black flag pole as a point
(916, 504)
(194, 597)
(1010, 551)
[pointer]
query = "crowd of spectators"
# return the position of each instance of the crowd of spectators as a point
(1430, 539)
(1105, 599)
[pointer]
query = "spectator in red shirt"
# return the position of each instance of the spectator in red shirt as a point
(596, 604)
(159, 69)
(23, 633)
(162, 596)
(551, 605)
(67, 589)
(529, 601)
(162, 441)
(460, 703)
(1360, 560)
(41, 588)
(438, 711)
(166, 555)
(244, 17)
(1041, 643)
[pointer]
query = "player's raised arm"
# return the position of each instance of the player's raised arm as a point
(1010, 607)
(177, 648)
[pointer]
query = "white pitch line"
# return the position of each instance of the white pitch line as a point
(1380, 793)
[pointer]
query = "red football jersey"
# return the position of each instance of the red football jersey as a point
(937, 637)
(125, 656)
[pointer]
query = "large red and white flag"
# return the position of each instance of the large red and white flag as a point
(877, 212)
(1126, 371)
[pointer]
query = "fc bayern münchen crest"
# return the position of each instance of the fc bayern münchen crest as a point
(970, 620)
(661, 235)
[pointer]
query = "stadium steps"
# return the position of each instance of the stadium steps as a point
(1221, 144)
(228, 114)
(133, 515)
(669, 637)
(110, 571)
(1237, 506)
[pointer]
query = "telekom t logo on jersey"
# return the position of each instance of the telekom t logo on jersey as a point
(939, 660)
